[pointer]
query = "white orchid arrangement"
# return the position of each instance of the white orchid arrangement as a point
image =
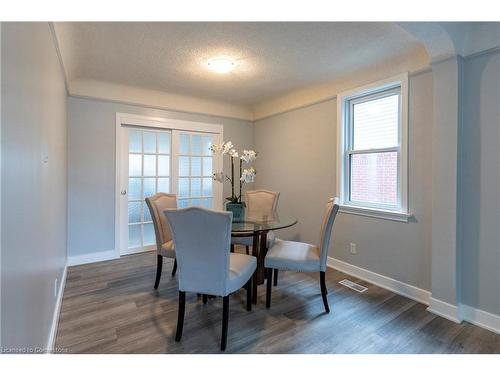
(246, 175)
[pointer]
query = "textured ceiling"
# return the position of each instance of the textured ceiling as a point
(272, 58)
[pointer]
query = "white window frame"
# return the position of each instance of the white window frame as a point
(344, 101)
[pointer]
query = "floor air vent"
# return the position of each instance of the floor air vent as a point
(358, 288)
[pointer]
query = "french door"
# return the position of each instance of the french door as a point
(158, 159)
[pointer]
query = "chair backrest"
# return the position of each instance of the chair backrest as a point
(261, 204)
(157, 204)
(202, 239)
(332, 207)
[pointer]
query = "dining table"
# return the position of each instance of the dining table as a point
(258, 228)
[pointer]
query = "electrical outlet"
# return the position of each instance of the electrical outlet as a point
(55, 288)
(353, 248)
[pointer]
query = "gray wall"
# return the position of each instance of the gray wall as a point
(398, 250)
(481, 183)
(91, 161)
(33, 193)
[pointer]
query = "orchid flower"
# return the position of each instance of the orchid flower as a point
(248, 175)
(226, 147)
(233, 153)
(248, 156)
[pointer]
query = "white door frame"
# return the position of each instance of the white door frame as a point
(161, 123)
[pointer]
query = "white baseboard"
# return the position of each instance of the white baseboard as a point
(57, 309)
(410, 291)
(445, 310)
(74, 260)
(481, 318)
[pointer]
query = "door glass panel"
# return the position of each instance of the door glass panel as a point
(134, 165)
(149, 165)
(163, 165)
(134, 212)
(183, 187)
(196, 145)
(135, 141)
(196, 187)
(149, 172)
(149, 234)
(164, 143)
(207, 166)
(207, 187)
(183, 165)
(149, 142)
(134, 188)
(183, 203)
(184, 144)
(149, 187)
(196, 168)
(207, 142)
(164, 185)
(147, 213)
(134, 235)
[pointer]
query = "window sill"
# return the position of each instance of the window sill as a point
(376, 213)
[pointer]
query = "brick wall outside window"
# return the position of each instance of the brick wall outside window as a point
(374, 177)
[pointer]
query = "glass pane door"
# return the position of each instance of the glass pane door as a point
(195, 166)
(149, 160)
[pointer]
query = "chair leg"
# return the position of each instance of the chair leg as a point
(269, 272)
(249, 294)
(324, 291)
(205, 299)
(225, 319)
(276, 277)
(232, 248)
(180, 315)
(174, 270)
(247, 249)
(159, 265)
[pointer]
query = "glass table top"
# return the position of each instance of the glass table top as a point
(264, 224)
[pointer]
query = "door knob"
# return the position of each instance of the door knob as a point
(124, 192)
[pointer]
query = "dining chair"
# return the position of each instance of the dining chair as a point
(164, 243)
(202, 241)
(303, 257)
(260, 204)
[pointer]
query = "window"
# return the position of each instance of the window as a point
(372, 178)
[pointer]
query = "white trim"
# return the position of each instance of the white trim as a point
(448, 311)
(342, 101)
(169, 101)
(99, 256)
(481, 318)
(410, 291)
(57, 310)
(445, 310)
(376, 213)
(168, 123)
(139, 250)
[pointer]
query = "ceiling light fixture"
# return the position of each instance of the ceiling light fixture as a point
(221, 65)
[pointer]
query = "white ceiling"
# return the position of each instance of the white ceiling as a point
(272, 58)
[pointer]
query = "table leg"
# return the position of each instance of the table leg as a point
(255, 253)
(260, 260)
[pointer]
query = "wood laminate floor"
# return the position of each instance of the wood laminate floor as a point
(111, 307)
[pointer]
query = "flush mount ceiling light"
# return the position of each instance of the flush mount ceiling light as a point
(221, 65)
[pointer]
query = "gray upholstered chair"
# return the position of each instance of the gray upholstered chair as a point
(260, 205)
(303, 257)
(202, 239)
(164, 245)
